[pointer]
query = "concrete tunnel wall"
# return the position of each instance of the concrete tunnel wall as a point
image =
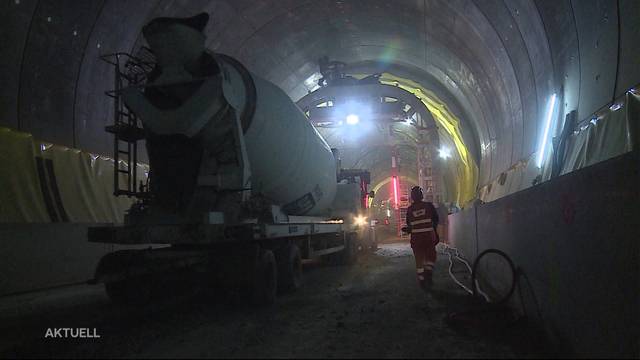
(575, 241)
(498, 60)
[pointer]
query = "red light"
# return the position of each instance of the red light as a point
(366, 201)
(395, 191)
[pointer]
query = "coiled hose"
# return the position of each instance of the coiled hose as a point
(452, 253)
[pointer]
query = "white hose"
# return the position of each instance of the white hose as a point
(456, 254)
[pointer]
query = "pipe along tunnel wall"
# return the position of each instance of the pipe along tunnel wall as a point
(576, 240)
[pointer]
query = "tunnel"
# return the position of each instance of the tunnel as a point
(518, 120)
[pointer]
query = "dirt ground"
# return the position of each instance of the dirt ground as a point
(371, 309)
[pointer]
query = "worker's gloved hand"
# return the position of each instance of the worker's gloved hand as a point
(406, 230)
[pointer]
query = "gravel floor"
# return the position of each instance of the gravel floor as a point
(371, 309)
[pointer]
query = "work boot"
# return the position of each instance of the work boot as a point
(422, 281)
(428, 279)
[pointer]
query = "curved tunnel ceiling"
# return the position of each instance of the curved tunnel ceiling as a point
(494, 63)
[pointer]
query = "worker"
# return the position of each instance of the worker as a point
(422, 220)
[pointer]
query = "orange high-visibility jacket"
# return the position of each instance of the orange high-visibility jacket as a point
(422, 220)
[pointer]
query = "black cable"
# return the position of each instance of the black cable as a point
(524, 276)
(474, 286)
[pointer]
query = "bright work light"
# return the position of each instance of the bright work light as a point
(360, 220)
(444, 152)
(352, 119)
(545, 134)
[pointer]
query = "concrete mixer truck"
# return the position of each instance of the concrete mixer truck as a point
(241, 186)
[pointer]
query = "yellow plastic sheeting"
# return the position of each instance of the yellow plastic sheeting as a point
(42, 182)
(633, 116)
(507, 182)
(465, 171)
(609, 134)
(20, 195)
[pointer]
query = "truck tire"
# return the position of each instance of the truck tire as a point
(264, 282)
(289, 268)
(349, 254)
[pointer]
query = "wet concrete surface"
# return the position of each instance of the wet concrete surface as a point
(371, 309)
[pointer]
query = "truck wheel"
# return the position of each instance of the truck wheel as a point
(349, 254)
(264, 282)
(289, 268)
(352, 252)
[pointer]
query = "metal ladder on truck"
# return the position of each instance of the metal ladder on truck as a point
(129, 71)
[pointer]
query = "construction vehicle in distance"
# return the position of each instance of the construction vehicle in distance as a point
(241, 186)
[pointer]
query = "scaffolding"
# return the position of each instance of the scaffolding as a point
(402, 208)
